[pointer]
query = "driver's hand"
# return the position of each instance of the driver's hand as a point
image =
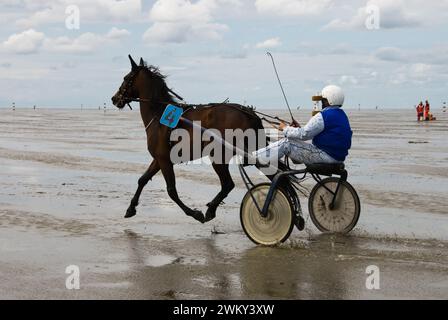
(295, 124)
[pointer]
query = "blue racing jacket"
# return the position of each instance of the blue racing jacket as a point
(330, 131)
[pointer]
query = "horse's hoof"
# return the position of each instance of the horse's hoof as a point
(197, 215)
(130, 212)
(210, 215)
(211, 204)
(300, 223)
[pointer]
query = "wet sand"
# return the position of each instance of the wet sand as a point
(67, 176)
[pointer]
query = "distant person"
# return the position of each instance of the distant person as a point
(426, 112)
(419, 109)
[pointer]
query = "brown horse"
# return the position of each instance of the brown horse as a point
(146, 85)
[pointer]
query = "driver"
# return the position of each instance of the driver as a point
(329, 131)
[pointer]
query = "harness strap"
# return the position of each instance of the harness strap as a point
(149, 124)
(176, 95)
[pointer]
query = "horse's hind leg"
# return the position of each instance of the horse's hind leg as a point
(170, 179)
(144, 179)
(227, 186)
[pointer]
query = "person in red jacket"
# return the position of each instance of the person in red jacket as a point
(426, 112)
(419, 109)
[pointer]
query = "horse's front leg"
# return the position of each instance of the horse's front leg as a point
(170, 179)
(142, 182)
(227, 186)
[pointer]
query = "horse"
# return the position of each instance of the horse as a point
(145, 84)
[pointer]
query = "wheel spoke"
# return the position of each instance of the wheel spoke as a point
(344, 215)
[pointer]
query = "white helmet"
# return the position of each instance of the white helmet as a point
(334, 95)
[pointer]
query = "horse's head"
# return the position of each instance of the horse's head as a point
(128, 90)
(144, 82)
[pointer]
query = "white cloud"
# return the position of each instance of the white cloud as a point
(120, 10)
(31, 41)
(177, 21)
(116, 33)
(166, 32)
(85, 43)
(417, 73)
(435, 55)
(176, 32)
(28, 41)
(269, 43)
(292, 7)
(181, 11)
(393, 14)
(47, 15)
(53, 11)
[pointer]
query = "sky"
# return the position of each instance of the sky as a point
(386, 53)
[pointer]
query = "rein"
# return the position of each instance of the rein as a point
(270, 117)
(265, 117)
(123, 96)
(150, 100)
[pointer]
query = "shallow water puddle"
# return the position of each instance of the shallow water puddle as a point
(160, 260)
(110, 285)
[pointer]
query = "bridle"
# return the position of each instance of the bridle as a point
(129, 82)
(123, 91)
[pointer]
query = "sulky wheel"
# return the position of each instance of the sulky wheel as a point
(343, 217)
(273, 229)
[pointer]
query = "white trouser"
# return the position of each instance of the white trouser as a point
(298, 151)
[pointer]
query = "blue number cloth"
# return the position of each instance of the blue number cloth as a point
(171, 116)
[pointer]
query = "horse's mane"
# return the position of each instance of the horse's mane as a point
(155, 71)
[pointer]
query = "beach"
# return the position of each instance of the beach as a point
(67, 177)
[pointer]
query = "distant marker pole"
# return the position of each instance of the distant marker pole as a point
(104, 107)
(13, 106)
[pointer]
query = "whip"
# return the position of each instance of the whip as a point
(281, 87)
